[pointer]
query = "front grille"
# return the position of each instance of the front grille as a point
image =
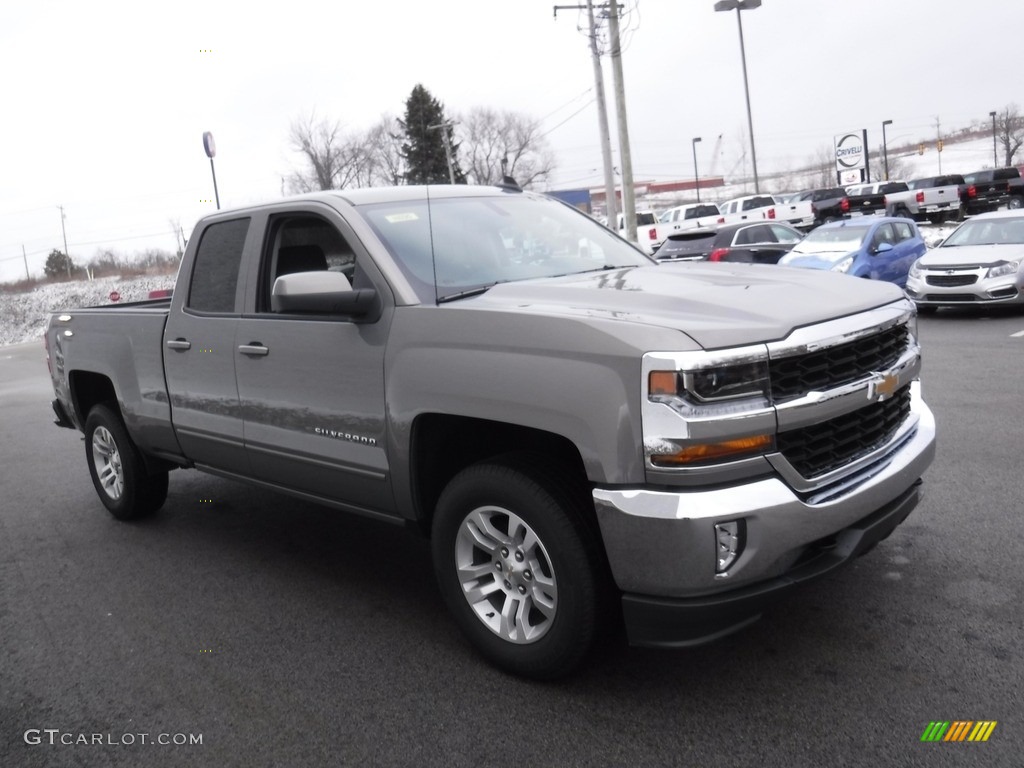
(795, 376)
(821, 448)
(951, 281)
(950, 298)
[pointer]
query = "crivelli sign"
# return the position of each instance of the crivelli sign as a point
(851, 156)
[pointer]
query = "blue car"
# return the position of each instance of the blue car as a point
(879, 248)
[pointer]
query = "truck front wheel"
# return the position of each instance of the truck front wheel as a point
(117, 469)
(516, 563)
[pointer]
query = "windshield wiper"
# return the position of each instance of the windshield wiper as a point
(465, 294)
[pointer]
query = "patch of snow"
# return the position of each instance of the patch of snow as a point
(23, 316)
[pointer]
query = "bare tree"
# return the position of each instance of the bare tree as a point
(490, 136)
(1010, 131)
(384, 164)
(333, 159)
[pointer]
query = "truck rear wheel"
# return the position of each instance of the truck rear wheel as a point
(516, 562)
(117, 469)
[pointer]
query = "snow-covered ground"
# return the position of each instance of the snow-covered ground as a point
(23, 316)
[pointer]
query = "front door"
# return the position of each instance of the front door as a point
(312, 387)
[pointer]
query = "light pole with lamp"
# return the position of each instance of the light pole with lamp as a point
(696, 176)
(885, 148)
(995, 158)
(211, 150)
(740, 6)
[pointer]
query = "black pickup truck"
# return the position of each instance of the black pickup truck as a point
(987, 190)
(869, 199)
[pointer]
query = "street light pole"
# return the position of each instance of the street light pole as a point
(445, 127)
(995, 158)
(696, 176)
(885, 148)
(744, 5)
(211, 151)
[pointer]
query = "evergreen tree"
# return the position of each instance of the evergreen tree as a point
(58, 264)
(424, 147)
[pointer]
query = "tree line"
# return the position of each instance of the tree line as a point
(425, 146)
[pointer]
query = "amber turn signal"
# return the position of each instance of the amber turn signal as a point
(701, 452)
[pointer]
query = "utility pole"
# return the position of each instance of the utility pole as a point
(67, 256)
(938, 142)
(626, 158)
(611, 204)
(23, 256)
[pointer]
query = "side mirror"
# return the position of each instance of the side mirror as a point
(883, 247)
(327, 293)
(936, 242)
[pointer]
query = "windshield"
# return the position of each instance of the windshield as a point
(449, 247)
(988, 232)
(843, 239)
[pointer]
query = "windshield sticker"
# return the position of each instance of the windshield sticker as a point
(395, 218)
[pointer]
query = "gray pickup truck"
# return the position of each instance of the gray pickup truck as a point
(587, 436)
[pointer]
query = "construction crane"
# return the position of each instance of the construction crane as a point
(715, 154)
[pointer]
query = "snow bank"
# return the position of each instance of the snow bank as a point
(23, 316)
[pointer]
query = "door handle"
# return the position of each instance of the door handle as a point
(179, 344)
(254, 350)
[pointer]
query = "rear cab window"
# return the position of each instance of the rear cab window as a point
(214, 283)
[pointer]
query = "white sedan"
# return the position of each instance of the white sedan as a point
(981, 263)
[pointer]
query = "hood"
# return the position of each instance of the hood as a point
(716, 304)
(966, 255)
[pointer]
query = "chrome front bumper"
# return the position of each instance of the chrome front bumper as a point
(661, 545)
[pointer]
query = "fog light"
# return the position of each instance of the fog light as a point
(730, 538)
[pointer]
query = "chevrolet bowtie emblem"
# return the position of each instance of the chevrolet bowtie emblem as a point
(882, 386)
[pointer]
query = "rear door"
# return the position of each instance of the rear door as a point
(199, 350)
(311, 386)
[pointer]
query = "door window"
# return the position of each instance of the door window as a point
(215, 272)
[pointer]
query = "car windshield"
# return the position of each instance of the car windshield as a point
(832, 240)
(453, 247)
(1008, 231)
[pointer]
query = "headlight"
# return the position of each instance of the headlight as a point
(915, 269)
(844, 265)
(1004, 268)
(710, 385)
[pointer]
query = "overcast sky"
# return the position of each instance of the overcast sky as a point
(105, 103)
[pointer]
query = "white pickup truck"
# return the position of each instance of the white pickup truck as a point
(748, 208)
(683, 218)
(647, 235)
(934, 199)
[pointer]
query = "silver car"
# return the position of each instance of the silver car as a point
(981, 263)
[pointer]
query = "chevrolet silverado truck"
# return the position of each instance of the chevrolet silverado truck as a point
(869, 199)
(812, 208)
(935, 199)
(586, 436)
(987, 190)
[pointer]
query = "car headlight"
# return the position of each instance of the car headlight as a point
(844, 265)
(711, 385)
(915, 269)
(1004, 268)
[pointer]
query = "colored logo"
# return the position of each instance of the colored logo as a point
(959, 730)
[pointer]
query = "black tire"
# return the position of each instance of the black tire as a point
(117, 469)
(518, 516)
(1015, 202)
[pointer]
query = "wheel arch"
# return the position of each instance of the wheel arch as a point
(89, 389)
(443, 445)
